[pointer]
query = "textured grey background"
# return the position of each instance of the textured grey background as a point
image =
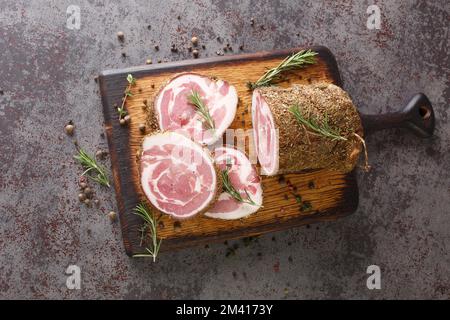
(47, 77)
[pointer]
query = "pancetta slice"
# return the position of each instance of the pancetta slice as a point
(243, 176)
(178, 176)
(175, 113)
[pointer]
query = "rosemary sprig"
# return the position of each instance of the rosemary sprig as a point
(323, 128)
(122, 112)
(228, 187)
(201, 108)
(92, 169)
(131, 82)
(149, 223)
(294, 61)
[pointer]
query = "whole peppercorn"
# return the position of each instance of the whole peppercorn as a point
(87, 202)
(120, 35)
(122, 122)
(69, 129)
(127, 118)
(81, 197)
(97, 203)
(194, 40)
(83, 185)
(148, 61)
(99, 154)
(88, 192)
(195, 53)
(142, 128)
(112, 216)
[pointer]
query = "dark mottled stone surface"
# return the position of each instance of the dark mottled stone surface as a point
(47, 78)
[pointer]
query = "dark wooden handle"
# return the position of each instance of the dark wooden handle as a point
(418, 116)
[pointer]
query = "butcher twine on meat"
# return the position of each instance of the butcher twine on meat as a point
(245, 180)
(284, 145)
(178, 176)
(174, 112)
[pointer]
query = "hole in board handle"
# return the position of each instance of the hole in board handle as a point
(424, 112)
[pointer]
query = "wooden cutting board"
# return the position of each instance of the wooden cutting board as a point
(331, 195)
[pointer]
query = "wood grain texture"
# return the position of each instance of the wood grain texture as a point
(331, 194)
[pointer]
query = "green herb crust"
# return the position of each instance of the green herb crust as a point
(301, 148)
